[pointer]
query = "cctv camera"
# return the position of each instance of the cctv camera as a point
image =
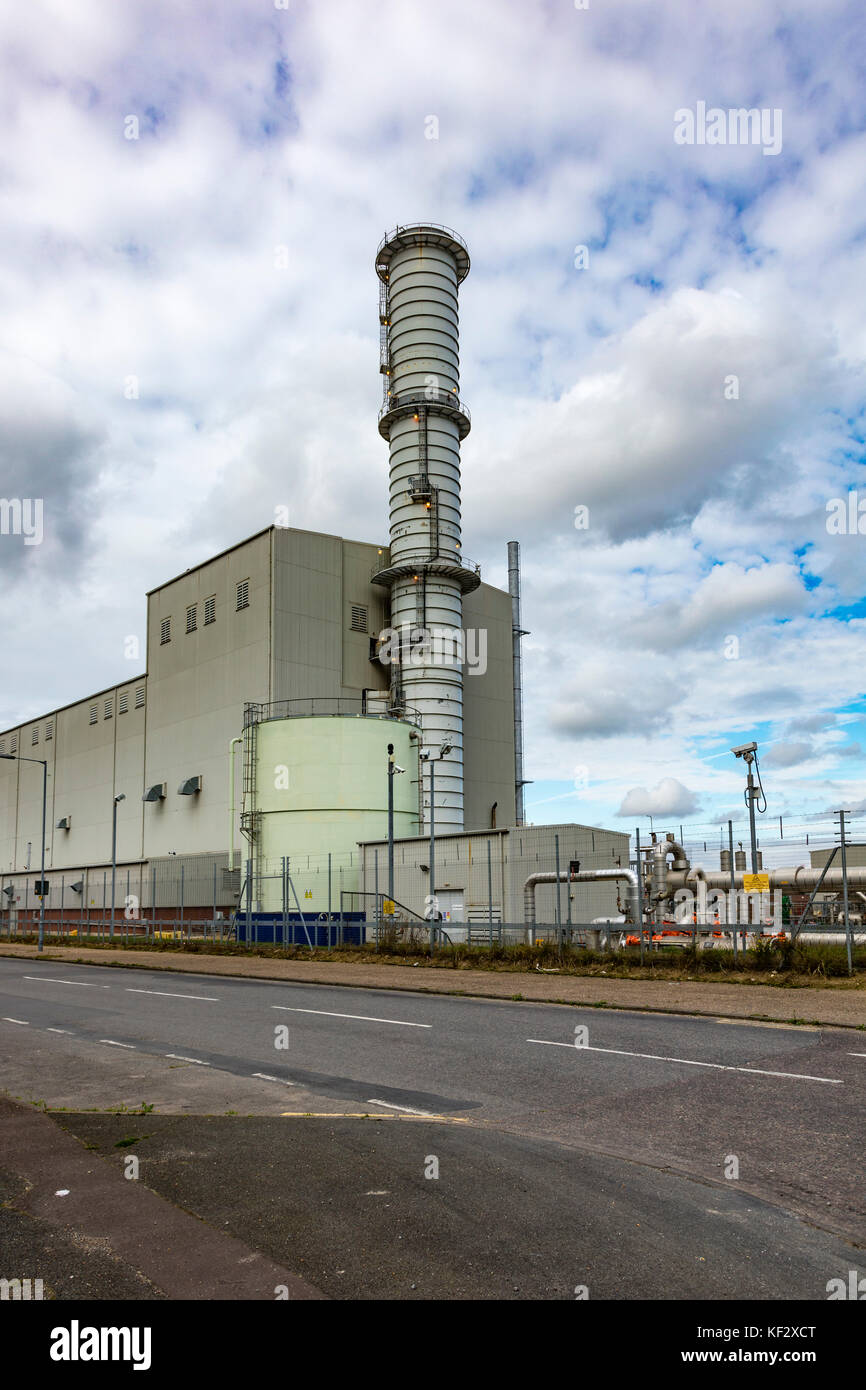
(743, 749)
(399, 769)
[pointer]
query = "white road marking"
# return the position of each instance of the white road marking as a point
(112, 1043)
(365, 1018)
(407, 1109)
(263, 1076)
(857, 1054)
(50, 980)
(688, 1062)
(25, 1022)
(165, 994)
(58, 1030)
(377, 1194)
(177, 1058)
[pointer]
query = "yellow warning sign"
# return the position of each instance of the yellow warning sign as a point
(756, 883)
(389, 907)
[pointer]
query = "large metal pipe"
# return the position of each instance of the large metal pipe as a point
(799, 878)
(517, 633)
(585, 876)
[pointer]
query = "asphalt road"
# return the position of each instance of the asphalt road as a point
(605, 1164)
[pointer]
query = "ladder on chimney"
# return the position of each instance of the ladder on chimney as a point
(384, 337)
(434, 523)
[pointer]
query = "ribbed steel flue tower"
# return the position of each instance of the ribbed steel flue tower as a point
(420, 268)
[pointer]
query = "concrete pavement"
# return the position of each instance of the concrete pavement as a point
(151, 1247)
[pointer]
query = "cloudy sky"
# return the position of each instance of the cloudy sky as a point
(662, 348)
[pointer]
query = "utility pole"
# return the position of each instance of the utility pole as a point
(843, 843)
(432, 854)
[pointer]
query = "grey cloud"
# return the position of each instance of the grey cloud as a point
(788, 754)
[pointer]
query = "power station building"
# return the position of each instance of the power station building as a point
(254, 747)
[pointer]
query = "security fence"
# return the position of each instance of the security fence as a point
(468, 892)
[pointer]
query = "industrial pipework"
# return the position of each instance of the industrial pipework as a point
(420, 267)
(663, 882)
(584, 876)
(660, 851)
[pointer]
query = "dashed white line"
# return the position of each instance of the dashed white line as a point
(857, 1054)
(166, 994)
(263, 1076)
(58, 1030)
(365, 1018)
(112, 1043)
(689, 1062)
(177, 1058)
(25, 1022)
(51, 980)
(407, 1109)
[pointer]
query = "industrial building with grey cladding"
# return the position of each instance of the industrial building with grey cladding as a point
(297, 681)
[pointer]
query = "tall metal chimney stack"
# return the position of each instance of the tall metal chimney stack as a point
(420, 268)
(517, 633)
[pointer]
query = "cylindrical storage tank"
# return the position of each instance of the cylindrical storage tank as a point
(725, 861)
(740, 860)
(321, 787)
(759, 860)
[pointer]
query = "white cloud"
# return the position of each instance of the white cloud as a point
(668, 798)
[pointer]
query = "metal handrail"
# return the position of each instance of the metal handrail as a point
(417, 227)
(458, 560)
(406, 398)
(321, 706)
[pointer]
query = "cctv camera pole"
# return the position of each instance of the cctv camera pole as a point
(751, 795)
(391, 822)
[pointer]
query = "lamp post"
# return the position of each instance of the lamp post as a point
(15, 757)
(393, 771)
(120, 797)
(391, 822)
